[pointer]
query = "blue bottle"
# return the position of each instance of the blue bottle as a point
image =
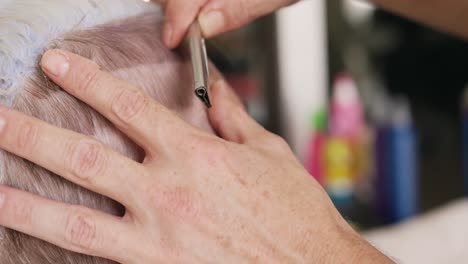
(403, 182)
(465, 139)
(380, 112)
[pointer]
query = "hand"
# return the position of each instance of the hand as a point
(196, 197)
(444, 15)
(215, 16)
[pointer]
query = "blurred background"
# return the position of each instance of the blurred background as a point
(372, 103)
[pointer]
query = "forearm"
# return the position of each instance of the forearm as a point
(446, 15)
(357, 250)
(337, 242)
(347, 246)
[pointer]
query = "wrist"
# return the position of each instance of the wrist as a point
(355, 249)
(338, 242)
(348, 246)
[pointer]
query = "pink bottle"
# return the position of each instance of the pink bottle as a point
(346, 113)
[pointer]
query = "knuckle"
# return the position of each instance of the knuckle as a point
(87, 159)
(128, 105)
(27, 136)
(81, 231)
(90, 78)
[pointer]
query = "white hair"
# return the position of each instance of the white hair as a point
(27, 27)
(125, 38)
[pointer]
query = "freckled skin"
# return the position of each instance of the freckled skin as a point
(239, 196)
(240, 199)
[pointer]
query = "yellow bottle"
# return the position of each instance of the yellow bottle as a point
(339, 170)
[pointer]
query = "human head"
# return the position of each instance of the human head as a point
(123, 37)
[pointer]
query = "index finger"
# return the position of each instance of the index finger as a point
(144, 120)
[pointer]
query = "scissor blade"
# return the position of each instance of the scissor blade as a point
(199, 63)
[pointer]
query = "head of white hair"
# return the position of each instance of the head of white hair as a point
(27, 27)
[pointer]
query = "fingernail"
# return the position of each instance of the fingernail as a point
(55, 63)
(168, 33)
(212, 23)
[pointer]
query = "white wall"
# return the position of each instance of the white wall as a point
(303, 68)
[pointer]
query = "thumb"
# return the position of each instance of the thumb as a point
(219, 16)
(228, 116)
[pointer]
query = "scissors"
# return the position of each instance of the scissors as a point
(199, 61)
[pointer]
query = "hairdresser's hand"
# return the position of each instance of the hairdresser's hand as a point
(215, 16)
(196, 198)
